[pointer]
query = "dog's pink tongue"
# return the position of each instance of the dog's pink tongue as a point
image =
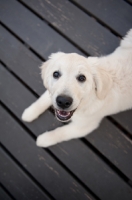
(64, 113)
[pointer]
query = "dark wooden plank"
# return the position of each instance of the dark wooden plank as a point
(129, 1)
(67, 18)
(84, 163)
(20, 60)
(79, 159)
(27, 31)
(115, 14)
(45, 9)
(17, 92)
(58, 13)
(33, 30)
(47, 172)
(24, 30)
(125, 119)
(44, 169)
(12, 54)
(114, 145)
(4, 195)
(16, 181)
(26, 65)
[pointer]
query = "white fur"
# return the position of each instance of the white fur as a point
(107, 90)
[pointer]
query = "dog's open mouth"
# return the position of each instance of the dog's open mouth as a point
(63, 115)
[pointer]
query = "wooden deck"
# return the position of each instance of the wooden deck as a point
(98, 167)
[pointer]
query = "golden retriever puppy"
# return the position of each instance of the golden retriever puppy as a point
(83, 90)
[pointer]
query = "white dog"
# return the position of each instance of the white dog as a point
(83, 90)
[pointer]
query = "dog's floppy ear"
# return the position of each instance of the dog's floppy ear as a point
(102, 79)
(103, 83)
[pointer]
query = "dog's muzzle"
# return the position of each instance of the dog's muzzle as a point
(63, 102)
(63, 116)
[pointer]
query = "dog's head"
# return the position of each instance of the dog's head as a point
(71, 79)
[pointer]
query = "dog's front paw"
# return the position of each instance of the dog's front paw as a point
(29, 114)
(45, 140)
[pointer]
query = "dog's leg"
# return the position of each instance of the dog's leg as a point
(64, 133)
(37, 108)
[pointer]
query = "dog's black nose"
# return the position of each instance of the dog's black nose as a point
(64, 101)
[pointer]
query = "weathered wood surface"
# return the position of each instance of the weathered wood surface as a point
(97, 167)
(4, 195)
(14, 179)
(39, 164)
(32, 27)
(29, 30)
(14, 101)
(112, 143)
(125, 119)
(66, 18)
(35, 32)
(115, 14)
(12, 61)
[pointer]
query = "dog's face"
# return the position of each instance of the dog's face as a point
(69, 81)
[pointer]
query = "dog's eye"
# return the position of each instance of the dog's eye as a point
(81, 78)
(56, 74)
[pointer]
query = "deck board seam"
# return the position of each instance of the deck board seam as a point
(19, 79)
(121, 128)
(87, 143)
(82, 9)
(49, 152)
(103, 156)
(97, 19)
(22, 41)
(112, 120)
(55, 29)
(127, 1)
(6, 191)
(107, 161)
(27, 173)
